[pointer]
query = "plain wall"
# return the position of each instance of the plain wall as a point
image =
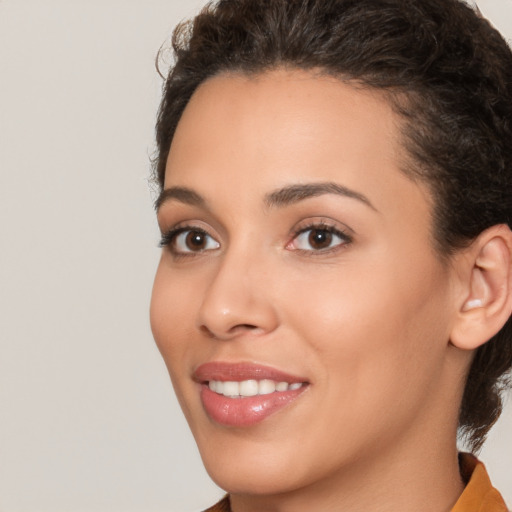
(88, 420)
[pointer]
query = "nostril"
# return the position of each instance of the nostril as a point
(206, 331)
(240, 328)
(234, 331)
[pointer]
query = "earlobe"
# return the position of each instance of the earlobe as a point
(487, 298)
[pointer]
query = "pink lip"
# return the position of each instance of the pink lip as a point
(242, 371)
(243, 411)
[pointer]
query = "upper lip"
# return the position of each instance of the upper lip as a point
(219, 370)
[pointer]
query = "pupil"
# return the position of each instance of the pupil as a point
(320, 238)
(195, 240)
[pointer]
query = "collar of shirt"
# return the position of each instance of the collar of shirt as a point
(479, 495)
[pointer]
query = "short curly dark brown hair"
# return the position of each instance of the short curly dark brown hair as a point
(444, 68)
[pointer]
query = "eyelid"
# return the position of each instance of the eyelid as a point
(170, 227)
(342, 231)
(169, 236)
(321, 221)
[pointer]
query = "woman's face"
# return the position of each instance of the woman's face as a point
(298, 255)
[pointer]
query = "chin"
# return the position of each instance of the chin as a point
(256, 477)
(263, 462)
(250, 481)
(252, 461)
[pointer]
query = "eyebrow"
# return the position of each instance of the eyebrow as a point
(294, 193)
(278, 198)
(182, 194)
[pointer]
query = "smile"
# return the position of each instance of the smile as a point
(242, 395)
(251, 387)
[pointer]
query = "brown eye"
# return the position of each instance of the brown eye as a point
(193, 240)
(320, 238)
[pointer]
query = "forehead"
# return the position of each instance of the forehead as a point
(298, 106)
(259, 132)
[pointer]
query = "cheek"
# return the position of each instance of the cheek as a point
(374, 348)
(375, 330)
(171, 317)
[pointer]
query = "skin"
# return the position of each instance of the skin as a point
(366, 321)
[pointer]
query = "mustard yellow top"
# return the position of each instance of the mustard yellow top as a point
(479, 495)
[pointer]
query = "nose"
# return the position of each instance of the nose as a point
(238, 300)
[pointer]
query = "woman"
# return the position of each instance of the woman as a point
(334, 296)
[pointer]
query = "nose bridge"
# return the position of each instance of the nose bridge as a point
(238, 297)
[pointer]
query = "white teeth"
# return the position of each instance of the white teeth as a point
(282, 386)
(250, 387)
(230, 388)
(266, 387)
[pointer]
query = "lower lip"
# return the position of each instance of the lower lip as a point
(245, 411)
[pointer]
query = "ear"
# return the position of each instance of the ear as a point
(486, 299)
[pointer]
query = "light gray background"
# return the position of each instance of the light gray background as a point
(88, 421)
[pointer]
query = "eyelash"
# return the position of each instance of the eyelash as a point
(344, 237)
(169, 239)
